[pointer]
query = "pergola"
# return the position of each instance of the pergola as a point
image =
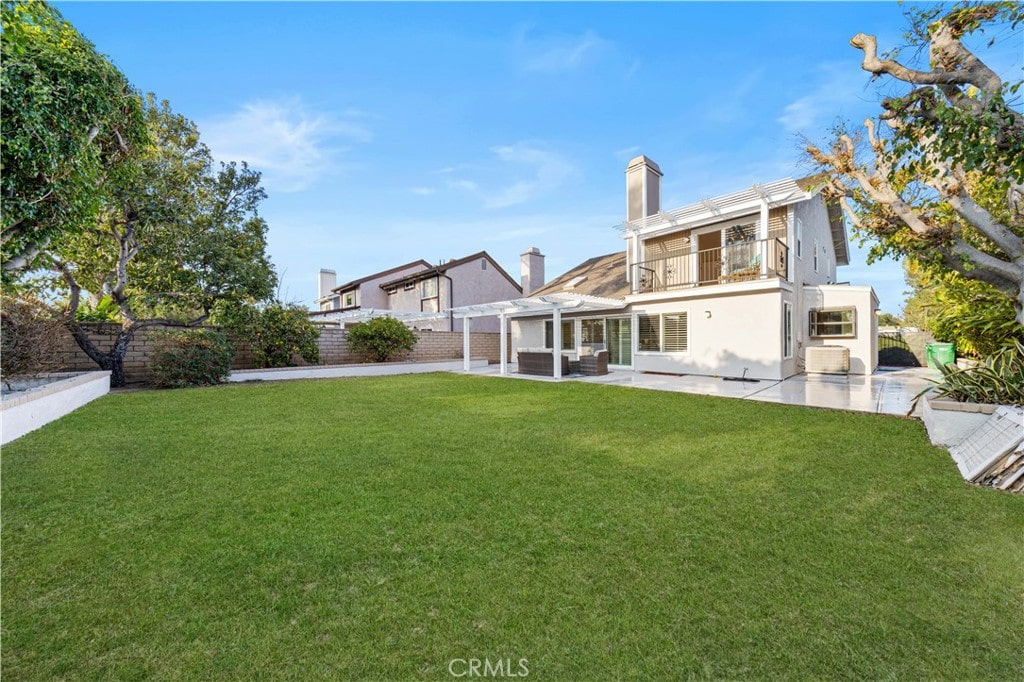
(365, 314)
(523, 307)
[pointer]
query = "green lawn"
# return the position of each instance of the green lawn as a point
(379, 528)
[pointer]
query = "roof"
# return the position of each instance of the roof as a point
(356, 282)
(443, 267)
(603, 276)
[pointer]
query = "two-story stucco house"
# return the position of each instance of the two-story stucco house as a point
(743, 284)
(419, 293)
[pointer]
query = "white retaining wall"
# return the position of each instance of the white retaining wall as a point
(36, 407)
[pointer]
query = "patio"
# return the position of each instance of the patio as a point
(890, 390)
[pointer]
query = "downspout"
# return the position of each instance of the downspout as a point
(451, 302)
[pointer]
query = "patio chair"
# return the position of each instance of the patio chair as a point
(594, 365)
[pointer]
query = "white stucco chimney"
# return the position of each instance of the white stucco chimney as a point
(531, 269)
(643, 188)
(328, 279)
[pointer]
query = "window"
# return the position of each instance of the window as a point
(428, 288)
(787, 330)
(667, 333)
(350, 299)
(409, 286)
(592, 332)
(568, 342)
(815, 256)
(799, 238)
(834, 322)
(483, 263)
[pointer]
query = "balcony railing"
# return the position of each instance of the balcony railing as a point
(761, 259)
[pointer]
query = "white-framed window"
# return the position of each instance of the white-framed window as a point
(799, 238)
(592, 332)
(787, 330)
(568, 329)
(833, 323)
(664, 333)
(815, 255)
(483, 263)
(350, 299)
(428, 288)
(409, 286)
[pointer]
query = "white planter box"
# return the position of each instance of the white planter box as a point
(26, 411)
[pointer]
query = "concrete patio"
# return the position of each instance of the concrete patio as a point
(890, 390)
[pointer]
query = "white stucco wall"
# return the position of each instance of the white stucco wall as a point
(863, 348)
(742, 332)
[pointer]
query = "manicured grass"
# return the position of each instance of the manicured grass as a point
(379, 528)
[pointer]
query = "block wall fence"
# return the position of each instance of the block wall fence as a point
(334, 350)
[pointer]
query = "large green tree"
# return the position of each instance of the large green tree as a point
(940, 176)
(69, 118)
(174, 236)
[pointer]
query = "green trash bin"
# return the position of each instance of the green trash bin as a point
(939, 354)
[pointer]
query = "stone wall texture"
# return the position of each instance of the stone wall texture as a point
(334, 350)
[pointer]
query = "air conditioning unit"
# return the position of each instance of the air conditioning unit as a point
(827, 360)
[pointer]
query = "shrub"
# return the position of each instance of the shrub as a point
(999, 379)
(193, 357)
(31, 338)
(381, 339)
(275, 332)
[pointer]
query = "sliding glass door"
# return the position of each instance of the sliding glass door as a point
(620, 341)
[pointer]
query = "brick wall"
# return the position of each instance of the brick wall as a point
(333, 349)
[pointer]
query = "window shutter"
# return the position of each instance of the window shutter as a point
(676, 332)
(660, 247)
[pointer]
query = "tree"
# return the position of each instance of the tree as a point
(889, 320)
(973, 315)
(943, 181)
(173, 237)
(69, 118)
(381, 339)
(31, 338)
(275, 332)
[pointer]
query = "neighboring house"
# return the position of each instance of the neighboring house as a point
(738, 285)
(364, 292)
(421, 294)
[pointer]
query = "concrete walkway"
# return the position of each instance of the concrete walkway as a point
(887, 391)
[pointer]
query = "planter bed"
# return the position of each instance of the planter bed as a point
(26, 410)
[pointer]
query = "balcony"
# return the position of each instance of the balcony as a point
(743, 262)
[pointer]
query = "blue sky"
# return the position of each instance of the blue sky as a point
(392, 132)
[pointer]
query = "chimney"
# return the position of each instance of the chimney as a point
(328, 280)
(643, 188)
(531, 267)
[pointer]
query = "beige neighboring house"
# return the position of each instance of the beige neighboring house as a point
(421, 294)
(743, 284)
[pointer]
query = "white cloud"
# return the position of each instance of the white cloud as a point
(517, 174)
(422, 191)
(292, 146)
(556, 54)
(838, 87)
